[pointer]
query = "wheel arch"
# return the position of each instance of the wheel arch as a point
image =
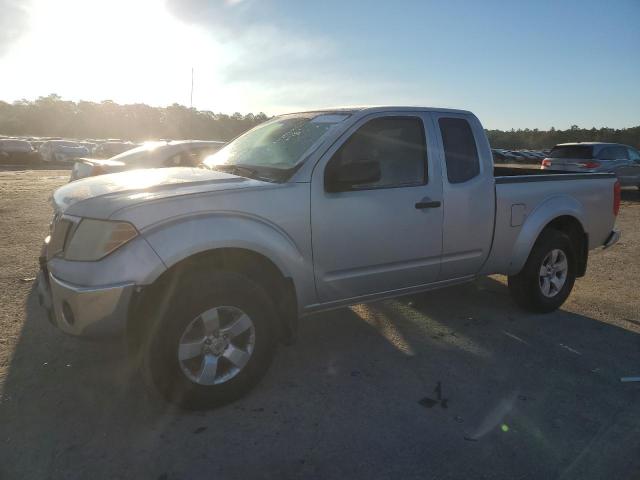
(562, 213)
(572, 227)
(147, 301)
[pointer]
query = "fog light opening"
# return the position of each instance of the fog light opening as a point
(67, 314)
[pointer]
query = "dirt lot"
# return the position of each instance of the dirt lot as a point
(521, 396)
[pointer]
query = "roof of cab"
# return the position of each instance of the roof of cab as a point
(384, 108)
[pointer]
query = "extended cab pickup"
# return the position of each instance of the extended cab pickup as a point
(206, 269)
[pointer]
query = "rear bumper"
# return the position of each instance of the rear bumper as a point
(85, 311)
(612, 239)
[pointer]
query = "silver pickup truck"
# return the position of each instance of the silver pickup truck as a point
(206, 269)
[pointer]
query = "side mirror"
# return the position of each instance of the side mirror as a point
(341, 178)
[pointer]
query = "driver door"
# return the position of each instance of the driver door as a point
(386, 234)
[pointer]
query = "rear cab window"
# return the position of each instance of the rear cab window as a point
(460, 151)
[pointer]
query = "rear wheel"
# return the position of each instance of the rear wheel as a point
(548, 276)
(214, 342)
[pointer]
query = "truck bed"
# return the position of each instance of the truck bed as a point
(523, 175)
(526, 208)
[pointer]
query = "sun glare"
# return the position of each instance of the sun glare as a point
(137, 52)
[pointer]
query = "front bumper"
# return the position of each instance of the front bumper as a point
(85, 311)
(612, 239)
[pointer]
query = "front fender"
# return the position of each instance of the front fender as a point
(182, 238)
(536, 221)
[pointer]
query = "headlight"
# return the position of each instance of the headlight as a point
(94, 239)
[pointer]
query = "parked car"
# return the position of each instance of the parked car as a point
(61, 151)
(186, 153)
(501, 156)
(90, 146)
(498, 157)
(205, 270)
(622, 160)
(538, 155)
(519, 157)
(35, 144)
(510, 157)
(12, 150)
(110, 148)
(530, 156)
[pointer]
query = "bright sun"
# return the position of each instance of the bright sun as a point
(123, 50)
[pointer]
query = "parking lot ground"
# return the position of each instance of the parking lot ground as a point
(455, 383)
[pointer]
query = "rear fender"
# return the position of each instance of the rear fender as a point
(536, 221)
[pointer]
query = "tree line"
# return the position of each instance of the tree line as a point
(52, 116)
(540, 139)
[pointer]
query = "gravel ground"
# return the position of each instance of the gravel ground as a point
(456, 383)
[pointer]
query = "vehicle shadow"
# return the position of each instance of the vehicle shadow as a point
(431, 384)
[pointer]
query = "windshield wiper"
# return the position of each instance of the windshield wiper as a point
(236, 170)
(242, 171)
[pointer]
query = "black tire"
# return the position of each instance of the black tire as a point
(525, 287)
(197, 291)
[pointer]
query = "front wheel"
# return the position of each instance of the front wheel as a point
(548, 276)
(214, 342)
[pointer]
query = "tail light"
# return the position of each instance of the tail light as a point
(616, 198)
(546, 163)
(589, 164)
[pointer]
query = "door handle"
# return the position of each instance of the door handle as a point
(426, 203)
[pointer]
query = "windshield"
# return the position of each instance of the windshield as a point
(572, 151)
(138, 154)
(277, 145)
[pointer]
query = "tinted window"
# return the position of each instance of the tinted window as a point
(612, 153)
(634, 155)
(396, 143)
(460, 150)
(572, 151)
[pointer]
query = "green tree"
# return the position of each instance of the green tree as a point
(53, 116)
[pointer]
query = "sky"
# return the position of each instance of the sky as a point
(516, 64)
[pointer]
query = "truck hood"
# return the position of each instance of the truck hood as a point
(100, 196)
